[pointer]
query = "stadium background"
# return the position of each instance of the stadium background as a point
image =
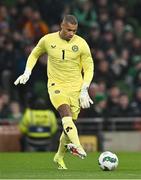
(112, 29)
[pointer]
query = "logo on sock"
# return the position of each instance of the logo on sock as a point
(68, 129)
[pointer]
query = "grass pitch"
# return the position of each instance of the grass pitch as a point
(41, 166)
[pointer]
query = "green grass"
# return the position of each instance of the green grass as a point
(41, 166)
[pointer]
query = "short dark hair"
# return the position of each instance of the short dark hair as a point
(70, 19)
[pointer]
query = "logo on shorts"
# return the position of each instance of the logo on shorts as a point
(57, 91)
(68, 129)
(75, 48)
(53, 84)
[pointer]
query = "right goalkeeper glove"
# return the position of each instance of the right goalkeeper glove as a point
(85, 100)
(22, 79)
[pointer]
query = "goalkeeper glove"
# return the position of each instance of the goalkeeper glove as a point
(85, 99)
(24, 77)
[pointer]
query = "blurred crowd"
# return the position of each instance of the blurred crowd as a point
(112, 29)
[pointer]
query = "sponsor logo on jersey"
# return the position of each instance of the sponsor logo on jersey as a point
(53, 46)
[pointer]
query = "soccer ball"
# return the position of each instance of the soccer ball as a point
(108, 161)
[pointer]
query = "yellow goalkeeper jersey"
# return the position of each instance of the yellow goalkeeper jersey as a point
(69, 62)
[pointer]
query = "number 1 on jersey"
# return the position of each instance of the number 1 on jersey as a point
(63, 54)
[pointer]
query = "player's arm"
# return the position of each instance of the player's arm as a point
(88, 72)
(87, 64)
(38, 50)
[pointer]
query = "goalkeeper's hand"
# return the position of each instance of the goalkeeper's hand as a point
(22, 79)
(85, 100)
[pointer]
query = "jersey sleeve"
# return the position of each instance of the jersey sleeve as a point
(87, 63)
(38, 50)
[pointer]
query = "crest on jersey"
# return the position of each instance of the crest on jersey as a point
(75, 48)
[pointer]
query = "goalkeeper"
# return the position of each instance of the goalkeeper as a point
(70, 71)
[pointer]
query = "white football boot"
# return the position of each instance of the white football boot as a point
(75, 150)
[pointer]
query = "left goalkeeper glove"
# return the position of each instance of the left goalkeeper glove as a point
(85, 99)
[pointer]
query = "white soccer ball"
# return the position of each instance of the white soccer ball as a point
(108, 161)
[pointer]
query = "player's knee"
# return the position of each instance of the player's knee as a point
(64, 110)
